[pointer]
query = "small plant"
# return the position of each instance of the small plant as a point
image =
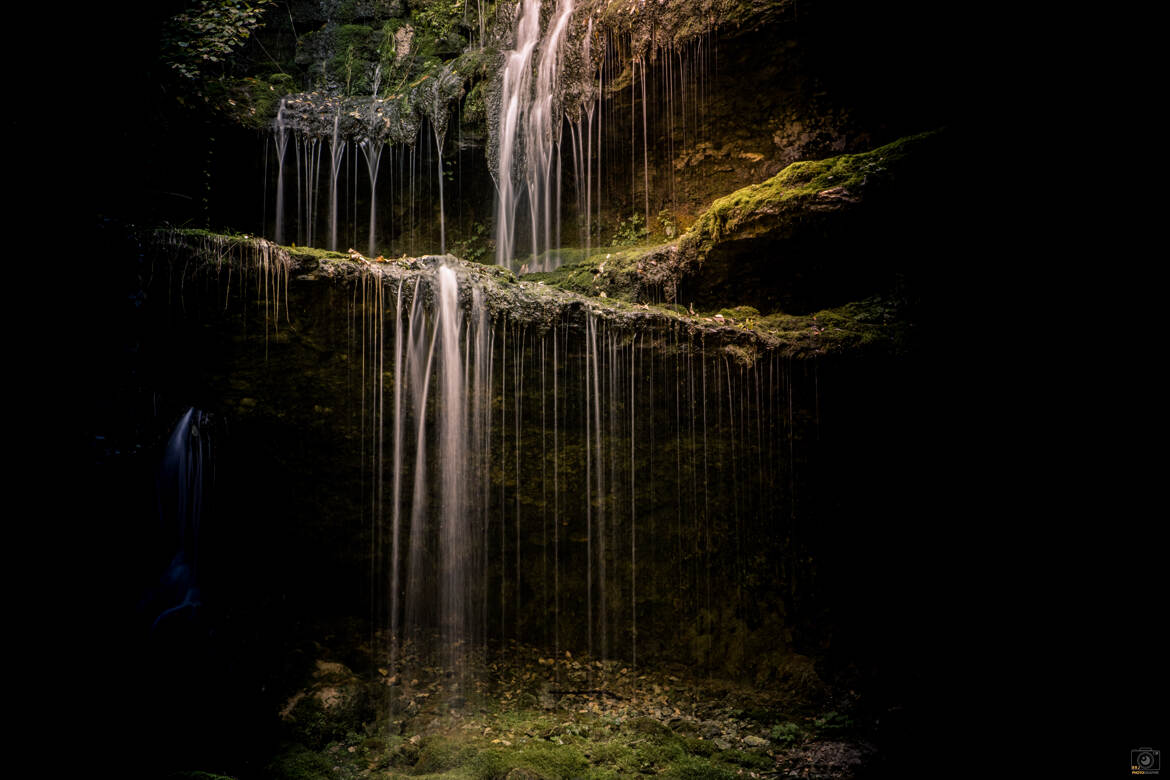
(349, 59)
(786, 734)
(478, 245)
(194, 41)
(668, 225)
(834, 722)
(630, 231)
(438, 17)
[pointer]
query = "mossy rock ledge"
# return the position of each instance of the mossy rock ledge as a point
(814, 236)
(741, 331)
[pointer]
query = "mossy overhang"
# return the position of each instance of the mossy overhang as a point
(742, 333)
(819, 233)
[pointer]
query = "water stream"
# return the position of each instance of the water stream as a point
(520, 478)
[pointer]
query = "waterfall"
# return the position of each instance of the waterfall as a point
(336, 156)
(281, 147)
(372, 149)
(524, 131)
(645, 142)
(446, 81)
(453, 454)
(184, 481)
(442, 216)
(539, 158)
(556, 74)
(586, 159)
(513, 93)
(430, 399)
(575, 479)
(311, 150)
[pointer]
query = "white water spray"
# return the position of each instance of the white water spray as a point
(525, 129)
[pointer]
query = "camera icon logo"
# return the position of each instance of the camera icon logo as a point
(1145, 761)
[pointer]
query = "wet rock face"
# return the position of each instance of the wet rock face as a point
(288, 340)
(735, 92)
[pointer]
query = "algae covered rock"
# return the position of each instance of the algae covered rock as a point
(335, 703)
(817, 234)
(568, 296)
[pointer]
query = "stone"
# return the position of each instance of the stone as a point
(710, 729)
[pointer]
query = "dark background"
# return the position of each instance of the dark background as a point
(952, 649)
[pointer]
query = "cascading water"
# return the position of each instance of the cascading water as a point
(544, 111)
(514, 91)
(454, 527)
(337, 146)
(281, 148)
(544, 487)
(524, 132)
(437, 113)
(430, 399)
(560, 72)
(372, 150)
(573, 478)
(454, 477)
(185, 478)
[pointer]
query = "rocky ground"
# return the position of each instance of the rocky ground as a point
(519, 713)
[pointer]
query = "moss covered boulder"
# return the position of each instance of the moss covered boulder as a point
(818, 234)
(335, 703)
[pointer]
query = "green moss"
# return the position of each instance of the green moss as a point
(870, 322)
(662, 751)
(316, 253)
(649, 727)
(354, 48)
(591, 748)
(692, 768)
(876, 322)
(440, 754)
(834, 723)
(551, 760)
(300, 764)
(786, 734)
(766, 205)
(746, 759)
(617, 754)
(611, 271)
(540, 758)
(563, 258)
(745, 314)
(354, 35)
(475, 106)
(491, 763)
